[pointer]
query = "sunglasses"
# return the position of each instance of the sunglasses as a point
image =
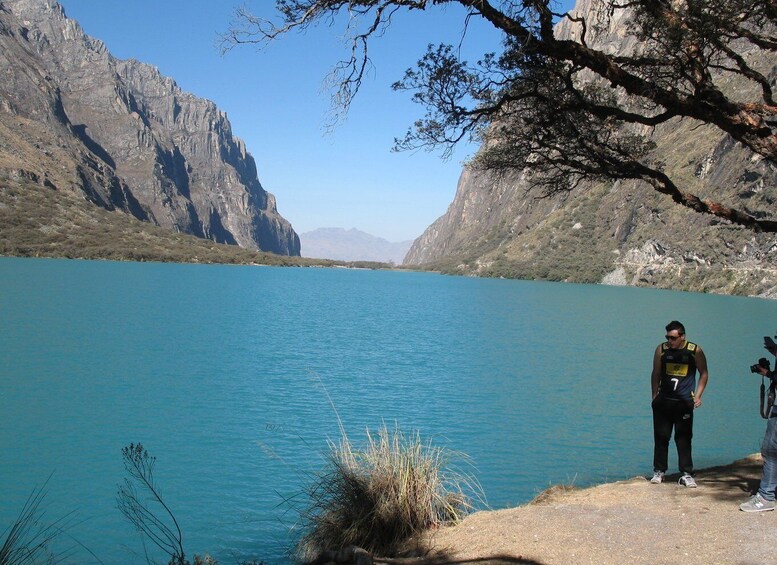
(672, 337)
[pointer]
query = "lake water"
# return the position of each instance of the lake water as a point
(225, 374)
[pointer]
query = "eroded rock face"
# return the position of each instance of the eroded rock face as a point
(125, 135)
(617, 232)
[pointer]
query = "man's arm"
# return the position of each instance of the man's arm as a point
(655, 376)
(701, 365)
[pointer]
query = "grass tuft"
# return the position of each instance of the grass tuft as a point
(552, 493)
(28, 540)
(381, 496)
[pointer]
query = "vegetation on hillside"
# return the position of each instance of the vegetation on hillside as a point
(623, 236)
(38, 221)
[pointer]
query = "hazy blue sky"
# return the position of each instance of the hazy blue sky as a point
(277, 103)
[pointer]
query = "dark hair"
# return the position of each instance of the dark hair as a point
(675, 325)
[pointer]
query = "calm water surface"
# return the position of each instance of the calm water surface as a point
(225, 374)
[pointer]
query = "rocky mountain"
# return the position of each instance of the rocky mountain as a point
(351, 245)
(617, 232)
(73, 118)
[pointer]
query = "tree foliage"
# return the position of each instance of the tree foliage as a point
(564, 107)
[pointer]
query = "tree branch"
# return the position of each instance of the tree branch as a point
(674, 71)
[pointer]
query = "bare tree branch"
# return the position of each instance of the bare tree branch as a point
(164, 531)
(684, 51)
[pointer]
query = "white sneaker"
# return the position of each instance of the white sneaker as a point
(687, 481)
(658, 478)
(757, 504)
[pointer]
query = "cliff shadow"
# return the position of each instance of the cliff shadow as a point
(92, 145)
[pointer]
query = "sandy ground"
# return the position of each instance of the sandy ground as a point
(628, 522)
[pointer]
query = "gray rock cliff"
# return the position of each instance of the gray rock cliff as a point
(616, 232)
(73, 117)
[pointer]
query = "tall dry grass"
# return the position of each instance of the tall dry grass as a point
(383, 495)
(29, 539)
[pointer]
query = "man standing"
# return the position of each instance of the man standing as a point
(763, 500)
(675, 395)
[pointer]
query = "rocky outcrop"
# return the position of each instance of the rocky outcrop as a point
(127, 137)
(616, 232)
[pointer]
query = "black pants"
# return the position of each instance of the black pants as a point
(669, 413)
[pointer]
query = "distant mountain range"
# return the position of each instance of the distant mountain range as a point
(351, 245)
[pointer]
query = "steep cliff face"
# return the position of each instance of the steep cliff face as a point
(622, 232)
(75, 118)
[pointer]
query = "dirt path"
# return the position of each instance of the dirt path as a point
(628, 522)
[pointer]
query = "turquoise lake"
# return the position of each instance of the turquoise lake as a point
(225, 374)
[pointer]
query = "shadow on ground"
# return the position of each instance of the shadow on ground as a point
(441, 558)
(731, 483)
